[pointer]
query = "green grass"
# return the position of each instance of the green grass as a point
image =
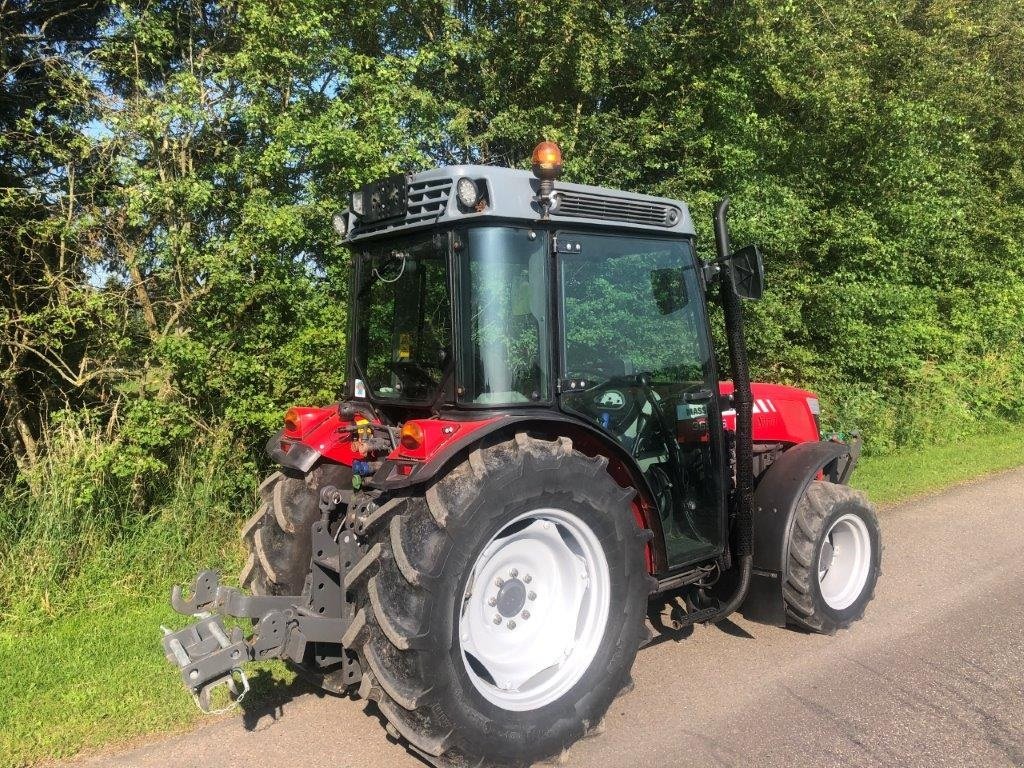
(901, 475)
(82, 597)
(87, 559)
(95, 677)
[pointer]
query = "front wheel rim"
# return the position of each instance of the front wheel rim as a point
(534, 610)
(844, 562)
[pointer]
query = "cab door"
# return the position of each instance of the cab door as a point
(634, 331)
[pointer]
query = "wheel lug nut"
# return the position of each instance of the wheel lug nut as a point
(532, 595)
(527, 578)
(511, 625)
(492, 602)
(497, 618)
(499, 581)
(513, 573)
(526, 614)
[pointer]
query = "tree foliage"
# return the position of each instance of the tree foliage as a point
(168, 170)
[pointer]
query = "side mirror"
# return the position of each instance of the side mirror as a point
(746, 268)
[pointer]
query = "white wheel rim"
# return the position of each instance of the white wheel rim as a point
(844, 562)
(534, 610)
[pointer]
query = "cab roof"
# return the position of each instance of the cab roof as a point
(428, 199)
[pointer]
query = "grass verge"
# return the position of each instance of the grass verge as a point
(87, 558)
(901, 475)
(81, 666)
(95, 677)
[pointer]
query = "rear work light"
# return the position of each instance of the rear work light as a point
(340, 223)
(468, 193)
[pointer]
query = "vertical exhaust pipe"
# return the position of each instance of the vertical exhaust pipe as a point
(744, 404)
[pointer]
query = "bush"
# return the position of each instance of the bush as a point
(77, 523)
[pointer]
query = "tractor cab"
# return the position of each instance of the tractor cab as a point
(476, 298)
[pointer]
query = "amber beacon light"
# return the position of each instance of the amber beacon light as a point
(547, 160)
(547, 166)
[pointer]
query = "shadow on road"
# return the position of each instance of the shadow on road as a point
(269, 697)
(667, 616)
(735, 630)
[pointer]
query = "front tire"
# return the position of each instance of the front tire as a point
(462, 687)
(835, 551)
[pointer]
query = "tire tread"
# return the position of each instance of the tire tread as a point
(414, 546)
(813, 510)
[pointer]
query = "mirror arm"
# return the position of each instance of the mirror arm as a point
(712, 272)
(713, 268)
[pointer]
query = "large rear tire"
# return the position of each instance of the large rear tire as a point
(471, 691)
(279, 543)
(835, 551)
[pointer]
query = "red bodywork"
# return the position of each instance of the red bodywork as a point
(781, 414)
(326, 432)
(323, 430)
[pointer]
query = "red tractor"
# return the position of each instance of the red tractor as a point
(533, 440)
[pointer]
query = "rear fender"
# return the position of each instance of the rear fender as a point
(778, 493)
(397, 473)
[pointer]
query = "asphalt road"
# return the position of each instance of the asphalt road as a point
(933, 676)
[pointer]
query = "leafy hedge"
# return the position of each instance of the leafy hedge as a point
(170, 278)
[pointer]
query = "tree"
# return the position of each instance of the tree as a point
(48, 168)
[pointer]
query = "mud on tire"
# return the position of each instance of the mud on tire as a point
(410, 588)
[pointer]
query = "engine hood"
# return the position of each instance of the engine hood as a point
(782, 414)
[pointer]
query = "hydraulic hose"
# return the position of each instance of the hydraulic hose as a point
(744, 404)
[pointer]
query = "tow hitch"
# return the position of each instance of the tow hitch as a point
(209, 655)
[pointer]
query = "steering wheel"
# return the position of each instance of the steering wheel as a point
(414, 376)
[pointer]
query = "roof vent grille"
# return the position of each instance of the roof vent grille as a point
(427, 199)
(587, 205)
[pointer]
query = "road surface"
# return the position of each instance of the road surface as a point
(933, 676)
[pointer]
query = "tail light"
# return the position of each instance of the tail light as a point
(411, 436)
(292, 423)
